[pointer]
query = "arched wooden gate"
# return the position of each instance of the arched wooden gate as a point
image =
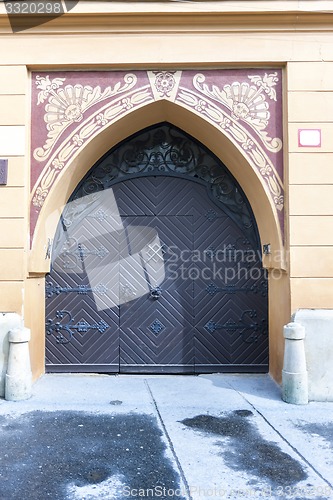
(156, 266)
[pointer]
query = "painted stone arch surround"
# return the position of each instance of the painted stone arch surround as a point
(78, 116)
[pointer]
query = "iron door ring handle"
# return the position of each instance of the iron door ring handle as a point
(155, 293)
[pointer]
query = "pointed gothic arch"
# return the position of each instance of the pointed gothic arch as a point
(193, 124)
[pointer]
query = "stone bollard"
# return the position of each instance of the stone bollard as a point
(294, 374)
(8, 321)
(18, 376)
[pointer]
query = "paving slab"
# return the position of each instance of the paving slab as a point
(221, 436)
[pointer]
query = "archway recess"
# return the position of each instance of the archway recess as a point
(156, 265)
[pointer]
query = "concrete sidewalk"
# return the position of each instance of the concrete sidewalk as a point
(184, 437)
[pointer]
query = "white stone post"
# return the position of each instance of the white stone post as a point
(294, 373)
(8, 321)
(18, 376)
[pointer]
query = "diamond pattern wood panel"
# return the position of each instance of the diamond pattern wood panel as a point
(161, 335)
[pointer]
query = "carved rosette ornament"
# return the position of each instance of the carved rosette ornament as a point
(69, 109)
(164, 82)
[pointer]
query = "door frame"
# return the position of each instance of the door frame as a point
(227, 152)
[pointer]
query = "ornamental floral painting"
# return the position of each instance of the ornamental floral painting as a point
(71, 108)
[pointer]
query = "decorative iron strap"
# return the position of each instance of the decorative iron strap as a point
(64, 332)
(245, 325)
(52, 289)
(261, 288)
(240, 251)
(78, 252)
(82, 252)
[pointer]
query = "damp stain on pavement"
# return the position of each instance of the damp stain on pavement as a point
(246, 450)
(75, 455)
(317, 429)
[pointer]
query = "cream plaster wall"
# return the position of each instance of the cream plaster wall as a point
(182, 35)
(14, 112)
(310, 102)
(13, 196)
(279, 307)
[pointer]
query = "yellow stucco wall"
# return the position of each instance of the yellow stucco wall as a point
(184, 35)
